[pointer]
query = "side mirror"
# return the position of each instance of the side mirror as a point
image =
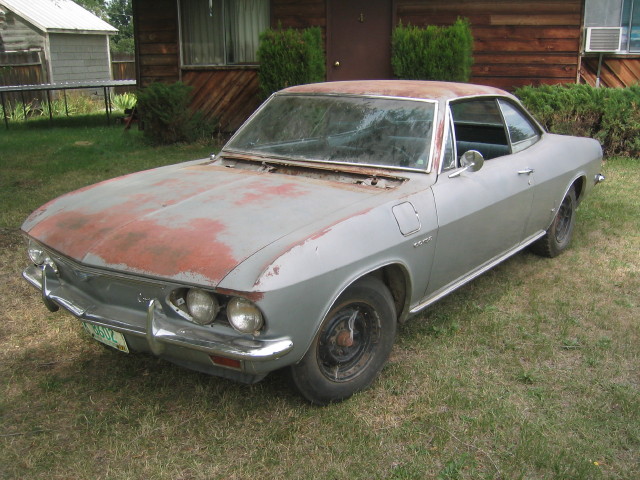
(471, 161)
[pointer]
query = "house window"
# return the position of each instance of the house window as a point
(631, 26)
(616, 13)
(222, 32)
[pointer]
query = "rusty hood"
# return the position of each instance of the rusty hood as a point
(192, 222)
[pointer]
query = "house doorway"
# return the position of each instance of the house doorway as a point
(359, 39)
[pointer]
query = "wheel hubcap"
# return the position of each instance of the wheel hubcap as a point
(347, 341)
(563, 222)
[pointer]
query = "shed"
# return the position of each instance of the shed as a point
(211, 44)
(53, 41)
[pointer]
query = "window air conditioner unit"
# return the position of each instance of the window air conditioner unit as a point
(603, 39)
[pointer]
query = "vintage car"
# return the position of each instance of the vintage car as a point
(336, 211)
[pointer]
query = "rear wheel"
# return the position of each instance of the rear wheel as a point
(558, 237)
(352, 345)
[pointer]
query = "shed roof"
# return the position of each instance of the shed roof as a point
(58, 16)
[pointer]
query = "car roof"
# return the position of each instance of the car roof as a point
(428, 90)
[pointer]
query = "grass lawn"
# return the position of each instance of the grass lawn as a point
(530, 371)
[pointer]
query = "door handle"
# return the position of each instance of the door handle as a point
(337, 63)
(526, 171)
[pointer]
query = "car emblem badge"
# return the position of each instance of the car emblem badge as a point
(424, 241)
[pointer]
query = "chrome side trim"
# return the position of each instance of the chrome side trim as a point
(446, 290)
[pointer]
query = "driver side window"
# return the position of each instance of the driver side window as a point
(478, 125)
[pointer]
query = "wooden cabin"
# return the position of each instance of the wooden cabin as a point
(211, 44)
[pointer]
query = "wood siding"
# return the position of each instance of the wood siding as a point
(228, 96)
(156, 32)
(22, 68)
(516, 42)
(18, 34)
(616, 71)
(299, 13)
(77, 58)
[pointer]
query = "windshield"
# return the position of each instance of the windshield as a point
(375, 131)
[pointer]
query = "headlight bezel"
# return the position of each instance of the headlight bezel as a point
(244, 316)
(236, 312)
(36, 253)
(203, 307)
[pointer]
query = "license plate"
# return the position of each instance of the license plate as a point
(107, 336)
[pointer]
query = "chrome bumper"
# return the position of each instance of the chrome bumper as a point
(159, 330)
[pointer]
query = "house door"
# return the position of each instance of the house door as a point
(359, 39)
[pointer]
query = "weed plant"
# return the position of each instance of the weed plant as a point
(125, 101)
(75, 104)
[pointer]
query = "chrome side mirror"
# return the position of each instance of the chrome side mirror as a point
(471, 161)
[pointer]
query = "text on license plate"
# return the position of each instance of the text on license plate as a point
(107, 336)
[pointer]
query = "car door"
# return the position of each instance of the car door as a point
(482, 215)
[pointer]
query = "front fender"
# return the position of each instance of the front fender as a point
(298, 288)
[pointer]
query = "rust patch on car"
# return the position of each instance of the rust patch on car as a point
(73, 233)
(399, 88)
(261, 192)
(126, 241)
(190, 249)
(437, 146)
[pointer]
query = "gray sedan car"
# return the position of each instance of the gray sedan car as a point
(335, 212)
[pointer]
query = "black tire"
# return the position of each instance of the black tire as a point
(343, 361)
(558, 236)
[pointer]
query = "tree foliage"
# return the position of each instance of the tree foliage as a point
(97, 7)
(118, 13)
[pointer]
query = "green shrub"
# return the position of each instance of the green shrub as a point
(166, 117)
(290, 57)
(610, 115)
(433, 53)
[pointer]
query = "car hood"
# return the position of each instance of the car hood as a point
(192, 222)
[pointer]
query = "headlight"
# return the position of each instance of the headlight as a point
(244, 316)
(203, 307)
(36, 253)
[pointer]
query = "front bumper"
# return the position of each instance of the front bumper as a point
(157, 331)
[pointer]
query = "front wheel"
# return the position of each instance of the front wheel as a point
(558, 236)
(352, 345)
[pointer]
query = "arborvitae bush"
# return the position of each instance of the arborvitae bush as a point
(290, 57)
(433, 53)
(610, 115)
(165, 114)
